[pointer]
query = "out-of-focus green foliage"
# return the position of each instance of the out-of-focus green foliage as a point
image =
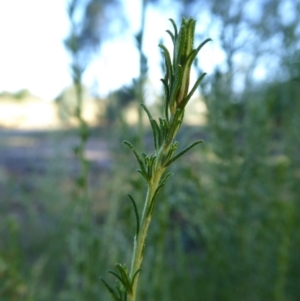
(66, 102)
(17, 96)
(118, 101)
(231, 226)
(91, 20)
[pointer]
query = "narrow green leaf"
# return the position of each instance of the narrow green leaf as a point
(118, 277)
(185, 81)
(195, 52)
(166, 87)
(186, 35)
(151, 207)
(202, 44)
(139, 160)
(150, 162)
(147, 111)
(157, 137)
(175, 27)
(175, 88)
(149, 171)
(191, 24)
(122, 295)
(171, 152)
(125, 277)
(161, 122)
(196, 85)
(168, 63)
(182, 152)
(123, 272)
(165, 178)
(176, 123)
(171, 35)
(163, 128)
(162, 183)
(111, 290)
(178, 47)
(134, 275)
(154, 126)
(136, 215)
(167, 99)
(144, 175)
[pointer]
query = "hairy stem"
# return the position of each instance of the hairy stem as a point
(140, 239)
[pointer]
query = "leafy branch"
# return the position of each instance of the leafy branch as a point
(152, 167)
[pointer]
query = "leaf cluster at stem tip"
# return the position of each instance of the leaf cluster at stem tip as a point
(177, 95)
(177, 71)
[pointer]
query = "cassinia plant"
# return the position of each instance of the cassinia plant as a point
(153, 167)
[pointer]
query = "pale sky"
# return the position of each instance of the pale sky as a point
(32, 54)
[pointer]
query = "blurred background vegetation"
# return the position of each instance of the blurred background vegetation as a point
(226, 225)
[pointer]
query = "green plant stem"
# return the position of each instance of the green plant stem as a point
(140, 239)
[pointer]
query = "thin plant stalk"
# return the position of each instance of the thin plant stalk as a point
(140, 238)
(81, 209)
(153, 167)
(142, 73)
